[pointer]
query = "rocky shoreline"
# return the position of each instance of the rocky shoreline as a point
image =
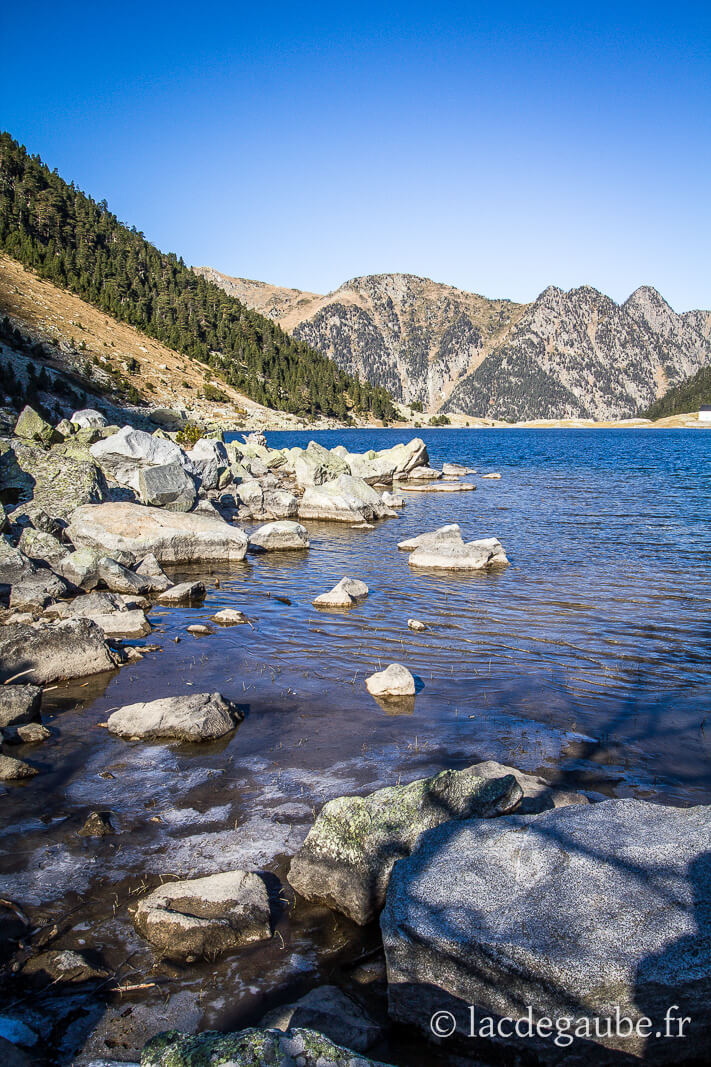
(493, 887)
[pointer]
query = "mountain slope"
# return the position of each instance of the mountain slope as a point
(689, 395)
(77, 244)
(574, 354)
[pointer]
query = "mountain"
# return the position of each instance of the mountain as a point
(77, 244)
(689, 395)
(567, 354)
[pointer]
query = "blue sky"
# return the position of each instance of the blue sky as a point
(500, 148)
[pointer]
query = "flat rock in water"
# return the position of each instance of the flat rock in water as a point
(450, 487)
(581, 912)
(469, 556)
(12, 769)
(129, 624)
(349, 853)
(394, 681)
(280, 536)
(445, 535)
(205, 917)
(170, 537)
(192, 717)
(249, 1048)
(230, 617)
(456, 469)
(19, 703)
(329, 1011)
(344, 594)
(493, 475)
(182, 593)
(72, 648)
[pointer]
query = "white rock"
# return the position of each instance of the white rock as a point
(89, 418)
(279, 537)
(469, 556)
(444, 535)
(393, 500)
(230, 617)
(182, 593)
(416, 625)
(347, 499)
(193, 717)
(394, 681)
(343, 595)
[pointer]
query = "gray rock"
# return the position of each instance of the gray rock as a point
(125, 453)
(89, 418)
(32, 427)
(97, 824)
(12, 769)
(317, 465)
(40, 546)
(31, 733)
(393, 500)
(28, 583)
(579, 912)
(445, 535)
(199, 629)
(123, 1033)
(349, 853)
(150, 569)
(250, 1048)
(96, 603)
(64, 966)
(423, 474)
(344, 594)
(210, 460)
(205, 917)
(347, 499)
(88, 568)
(183, 593)
(329, 1011)
(192, 717)
(230, 617)
(267, 503)
(394, 681)
(73, 648)
(168, 486)
(19, 703)
(538, 794)
(126, 624)
(279, 536)
(456, 470)
(171, 538)
(469, 556)
(55, 481)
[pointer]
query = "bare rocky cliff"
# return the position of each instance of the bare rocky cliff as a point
(566, 354)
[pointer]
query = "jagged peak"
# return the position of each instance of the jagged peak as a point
(646, 294)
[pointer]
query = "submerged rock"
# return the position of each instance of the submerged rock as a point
(394, 681)
(344, 594)
(280, 536)
(205, 917)
(192, 717)
(250, 1048)
(349, 853)
(170, 537)
(329, 1011)
(580, 912)
(72, 648)
(97, 824)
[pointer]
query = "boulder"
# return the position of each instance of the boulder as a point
(127, 624)
(393, 500)
(125, 453)
(73, 648)
(406, 457)
(55, 481)
(63, 966)
(210, 460)
(26, 583)
(349, 853)
(32, 427)
(183, 593)
(89, 568)
(19, 704)
(170, 537)
(538, 793)
(279, 536)
(150, 569)
(29, 733)
(585, 912)
(267, 503)
(230, 617)
(317, 465)
(456, 470)
(423, 474)
(372, 467)
(250, 1048)
(205, 917)
(394, 681)
(168, 486)
(89, 418)
(42, 547)
(12, 769)
(469, 556)
(347, 499)
(95, 603)
(192, 717)
(329, 1011)
(343, 595)
(445, 535)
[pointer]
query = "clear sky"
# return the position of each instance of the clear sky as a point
(497, 147)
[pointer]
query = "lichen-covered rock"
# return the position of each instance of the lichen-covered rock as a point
(32, 427)
(27, 584)
(19, 703)
(168, 486)
(205, 917)
(125, 453)
(250, 1048)
(267, 503)
(55, 481)
(12, 769)
(40, 546)
(316, 465)
(394, 681)
(192, 717)
(279, 537)
(349, 853)
(73, 648)
(590, 912)
(170, 537)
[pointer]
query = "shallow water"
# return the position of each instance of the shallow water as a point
(587, 660)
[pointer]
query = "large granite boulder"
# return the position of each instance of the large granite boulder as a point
(168, 486)
(394, 682)
(316, 465)
(375, 468)
(467, 556)
(170, 537)
(406, 457)
(19, 704)
(440, 538)
(89, 419)
(55, 481)
(210, 460)
(347, 499)
(279, 537)
(267, 503)
(250, 1048)
(344, 594)
(349, 853)
(72, 648)
(89, 568)
(192, 717)
(125, 453)
(42, 547)
(25, 583)
(580, 913)
(205, 917)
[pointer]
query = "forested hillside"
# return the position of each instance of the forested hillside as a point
(687, 396)
(66, 237)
